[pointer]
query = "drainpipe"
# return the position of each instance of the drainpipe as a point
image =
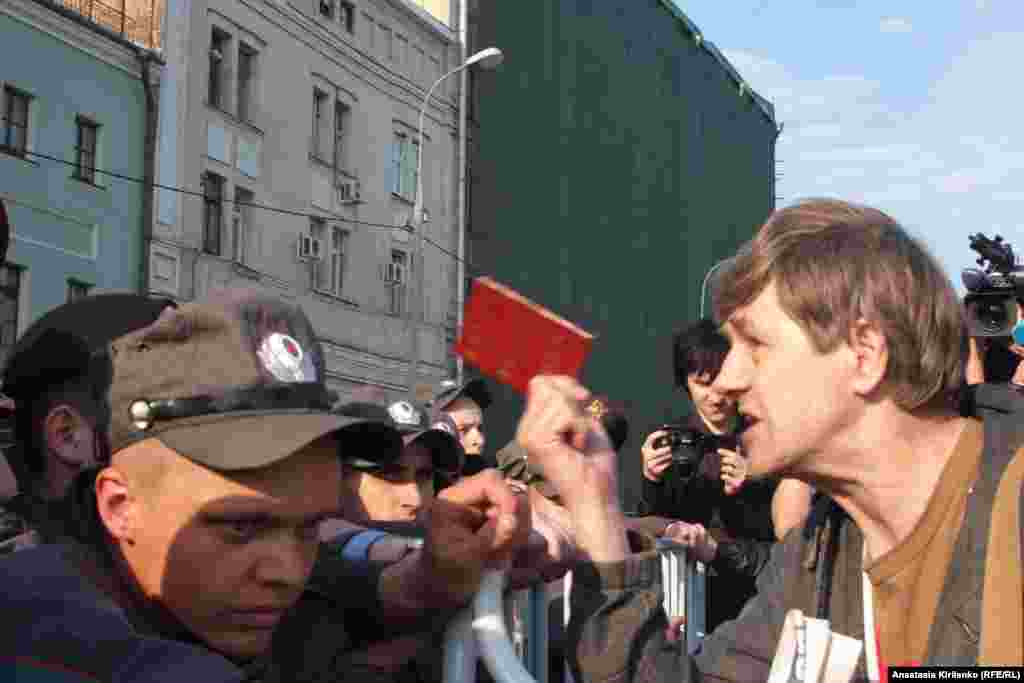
(146, 58)
(460, 286)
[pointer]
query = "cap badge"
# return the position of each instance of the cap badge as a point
(403, 413)
(443, 426)
(282, 357)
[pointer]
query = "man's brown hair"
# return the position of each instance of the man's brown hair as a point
(832, 263)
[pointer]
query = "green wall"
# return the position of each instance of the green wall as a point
(614, 162)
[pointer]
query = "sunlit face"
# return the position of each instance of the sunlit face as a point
(227, 554)
(796, 399)
(716, 408)
(469, 419)
(399, 493)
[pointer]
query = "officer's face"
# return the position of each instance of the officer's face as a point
(398, 494)
(469, 419)
(227, 555)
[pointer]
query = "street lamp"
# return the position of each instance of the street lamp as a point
(488, 58)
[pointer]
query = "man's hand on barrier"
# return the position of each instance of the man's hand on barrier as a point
(473, 525)
(695, 537)
(575, 455)
(674, 632)
(551, 551)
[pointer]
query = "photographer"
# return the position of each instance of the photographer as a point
(701, 479)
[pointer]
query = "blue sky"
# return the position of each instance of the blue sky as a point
(912, 107)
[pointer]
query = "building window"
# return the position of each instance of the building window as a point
(246, 74)
(85, 150)
(330, 269)
(10, 293)
(218, 53)
(77, 290)
(241, 225)
(401, 48)
(213, 212)
(387, 38)
(16, 107)
(321, 125)
(403, 166)
(341, 119)
(396, 275)
(347, 16)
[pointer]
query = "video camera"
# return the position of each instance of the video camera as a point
(689, 446)
(993, 290)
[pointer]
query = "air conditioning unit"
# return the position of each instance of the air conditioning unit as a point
(307, 248)
(394, 273)
(349, 192)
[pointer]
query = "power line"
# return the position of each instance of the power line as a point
(264, 207)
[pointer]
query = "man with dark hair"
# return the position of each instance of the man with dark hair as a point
(847, 350)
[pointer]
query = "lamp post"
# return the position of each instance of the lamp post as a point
(488, 58)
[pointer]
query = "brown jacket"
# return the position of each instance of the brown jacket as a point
(618, 625)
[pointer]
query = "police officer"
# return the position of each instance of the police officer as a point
(381, 488)
(466, 403)
(201, 531)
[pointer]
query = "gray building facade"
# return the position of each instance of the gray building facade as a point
(291, 126)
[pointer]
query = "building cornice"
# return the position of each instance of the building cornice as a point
(344, 54)
(78, 32)
(425, 19)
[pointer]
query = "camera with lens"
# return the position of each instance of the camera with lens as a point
(994, 289)
(689, 446)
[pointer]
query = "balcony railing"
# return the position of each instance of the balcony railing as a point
(134, 20)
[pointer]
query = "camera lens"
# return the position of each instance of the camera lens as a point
(991, 315)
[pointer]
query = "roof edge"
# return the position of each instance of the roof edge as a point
(765, 105)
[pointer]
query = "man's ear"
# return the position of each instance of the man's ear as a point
(69, 436)
(870, 351)
(116, 504)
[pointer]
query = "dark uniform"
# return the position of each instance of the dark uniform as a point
(235, 383)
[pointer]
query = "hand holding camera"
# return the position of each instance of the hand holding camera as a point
(734, 470)
(657, 454)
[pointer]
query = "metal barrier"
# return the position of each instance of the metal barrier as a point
(514, 649)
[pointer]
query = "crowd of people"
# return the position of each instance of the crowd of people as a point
(186, 498)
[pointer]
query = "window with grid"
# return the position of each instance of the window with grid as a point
(403, 165)
(10, 291)
(341, 118)
(218, 53)
(330, 269)
(213, 212)
(16, 108)
(85, 150)
(397, 276)
(246, 74)
(77, 290)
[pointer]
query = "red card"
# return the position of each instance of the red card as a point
(513, 339)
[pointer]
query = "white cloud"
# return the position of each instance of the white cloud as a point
(948, 165)
(895, 25)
